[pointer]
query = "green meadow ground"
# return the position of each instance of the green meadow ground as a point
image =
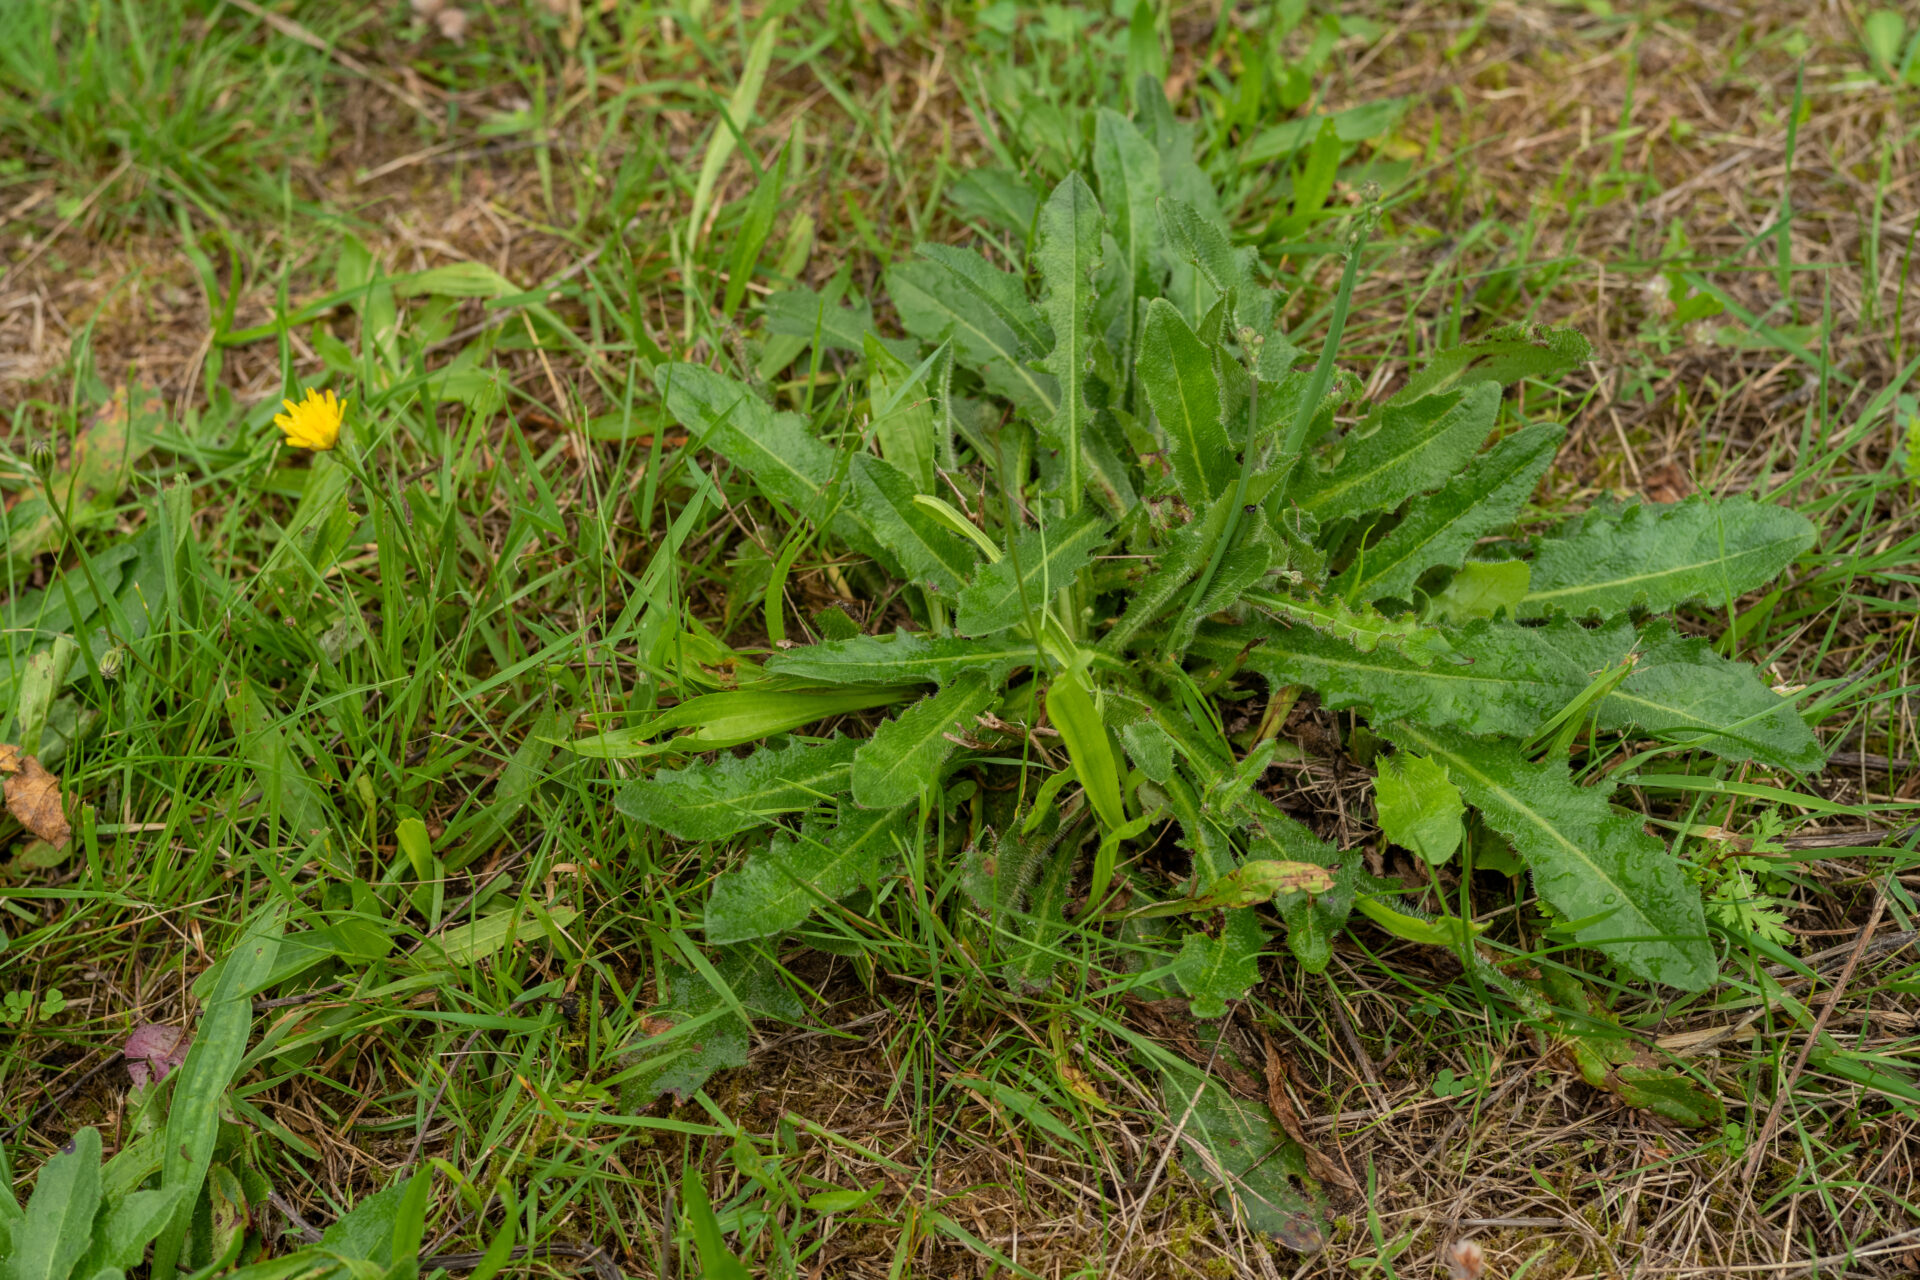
(194, 199)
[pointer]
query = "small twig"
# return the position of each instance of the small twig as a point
(1819, 1025)
(1869, 760)
(305, 997)
(301, 1227)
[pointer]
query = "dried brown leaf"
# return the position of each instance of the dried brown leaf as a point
(33, 796)
(1318, 1163)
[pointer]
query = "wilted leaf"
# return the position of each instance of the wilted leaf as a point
(153, 1050)
(33, 796)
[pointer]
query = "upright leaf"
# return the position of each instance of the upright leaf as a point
(904, 755)
(1002, 596)
(1068, 253)
(1071, 709)
(1177, 374)
(1129, 174)
(1442, 527)
(219, 1045)
(1417, 446)
(1657, 555)
(731, 795)
(1200, 240)
(778, 888)
(1419, 807)
(902, 415)
(58, 1225)
(1592, 862)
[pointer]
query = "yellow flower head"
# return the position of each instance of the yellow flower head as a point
(314, 423)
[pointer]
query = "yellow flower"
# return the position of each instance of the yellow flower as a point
(314, 423)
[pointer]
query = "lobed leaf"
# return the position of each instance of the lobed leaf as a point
(1503, 679)
(1416, 446)
(1216, 971)
(1176, 372)
(1593, 863)
(1441, 528)
(1654, 556)
(1047, 560)
(779, 887)
(904, 755)
(711, 801)
(1503, 357)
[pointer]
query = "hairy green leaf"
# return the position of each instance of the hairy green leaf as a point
(1364, 629)
(1417, 445)
(698, 1027)
(1000, 196)
(938, 305)
(930, 552)
(1201, 241)
(1503, 357)
(1047, 560)
(1442, 527)
(1503, 679)
(1312, 919)
(1003, 293)
(1420, 808)
(906, 657)
(1177, 374)
(1068, 253)
(778, 888)
(711, 801)
(904, 755)
(1032, 955)
(902, 415)
(58, 1224)
(1682, 691)
(1214, 972)
(799, 312)
(1129, 175)
(776, 449)
(1591, 861)
(1237, 1146)
(1481, 589)
(1657, 555)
